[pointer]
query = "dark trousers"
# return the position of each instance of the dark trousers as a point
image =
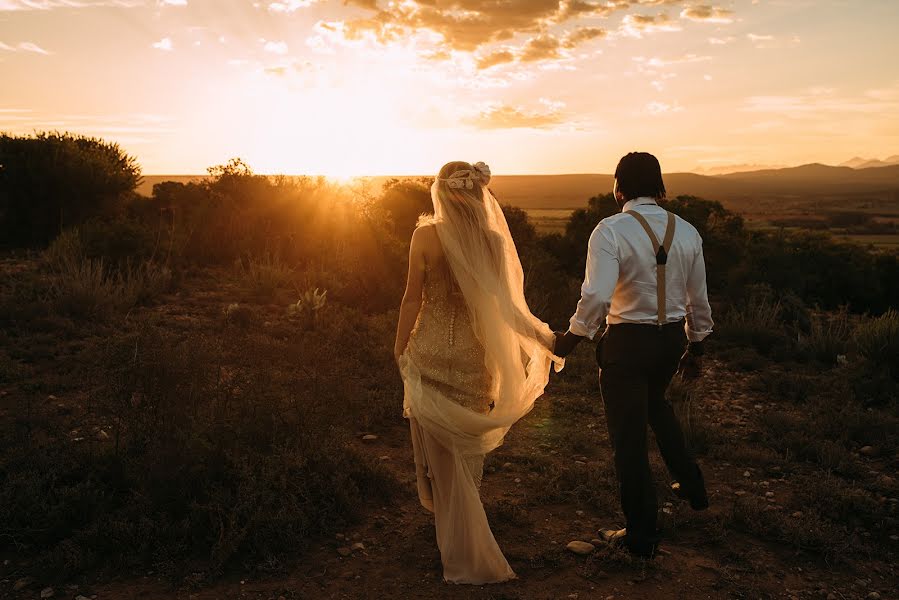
(637, 363)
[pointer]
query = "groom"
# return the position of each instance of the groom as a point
(645, 278)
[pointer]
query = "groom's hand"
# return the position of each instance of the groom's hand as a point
(565, 343)
(690, 367)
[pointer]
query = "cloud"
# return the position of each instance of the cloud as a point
(24, 47)
(542, 47)
(476, 25)
(583, 34)
(492, 59)
(637, 25)
(289, 6)
(172, 2)
(661, 108)
(164, 44)
(715, 41)
(14, 5)
(506, 116)
(275, 47)
(707, 14)
(759, 38)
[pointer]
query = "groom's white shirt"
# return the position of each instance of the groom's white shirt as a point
(620, 280)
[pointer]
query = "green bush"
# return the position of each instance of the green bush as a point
(213, 449)
(877, 340)
(52, 181)
(87, 289)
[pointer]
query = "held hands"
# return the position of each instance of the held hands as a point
(565, 343)
(690, 368)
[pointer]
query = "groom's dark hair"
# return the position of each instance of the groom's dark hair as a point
(639, 174)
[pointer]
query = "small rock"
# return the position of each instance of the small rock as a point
(507, 465)
(580, 463)
(358, 546)
(831, 596)
(873, 596)
(797, 514)
(886, 480)
(339, 536)
(102, 435)
(579, 547)
(385, 457)
(579, 513)
(769, 494)
(47, 592)
(740, 493)
(369, 437)
(747, 474)
(51, 398)
(344, 551)
(80, 597)
(868, 451)
(518, 480)
(596, 542)
(22, 583)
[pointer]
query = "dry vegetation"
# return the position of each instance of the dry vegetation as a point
(185, 382)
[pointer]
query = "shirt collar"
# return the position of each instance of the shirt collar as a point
(641, 201)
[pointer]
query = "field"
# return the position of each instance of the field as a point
(803, 489)
(198, 399)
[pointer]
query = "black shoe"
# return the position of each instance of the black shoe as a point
(618, 538)
(698, 501)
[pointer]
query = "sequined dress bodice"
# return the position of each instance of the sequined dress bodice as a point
(444, 347)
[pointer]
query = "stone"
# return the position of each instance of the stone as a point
(369, 437)
(22, 583)
(873, 596)
(747, 474)
(797, 514)
(80, 597)
(507, 465)
(581, 548)
(517, 480)
(596, 542)
(47, 592)
(769, 494)
(868, 451)
(344, 551)
(102, 435)
(580, 463)
(886, 480)
(579, 513)
(358, 547)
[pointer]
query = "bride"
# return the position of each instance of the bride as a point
(473, 360)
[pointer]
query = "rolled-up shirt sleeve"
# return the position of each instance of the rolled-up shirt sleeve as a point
(600, 279)
(699, 313)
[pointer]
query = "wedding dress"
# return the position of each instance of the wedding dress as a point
(475, 363)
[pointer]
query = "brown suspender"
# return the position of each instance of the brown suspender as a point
(661, 256)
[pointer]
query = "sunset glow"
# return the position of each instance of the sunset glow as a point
(531, 86)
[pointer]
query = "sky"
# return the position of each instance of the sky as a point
(368, 87)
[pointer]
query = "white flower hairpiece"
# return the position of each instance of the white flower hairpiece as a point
(466, 178)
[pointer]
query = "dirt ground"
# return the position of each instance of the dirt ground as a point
(700, 556)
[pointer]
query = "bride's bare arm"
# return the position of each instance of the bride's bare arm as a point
(412, 297)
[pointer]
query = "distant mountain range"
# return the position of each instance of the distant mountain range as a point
(867, 163)
(807, 182)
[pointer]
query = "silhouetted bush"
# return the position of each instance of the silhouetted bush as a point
(51, 181)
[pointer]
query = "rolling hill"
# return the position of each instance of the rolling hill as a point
(812, 182)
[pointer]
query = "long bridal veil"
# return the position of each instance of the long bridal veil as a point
(517, 345)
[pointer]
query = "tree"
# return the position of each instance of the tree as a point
(50, 181)
(406, 200)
